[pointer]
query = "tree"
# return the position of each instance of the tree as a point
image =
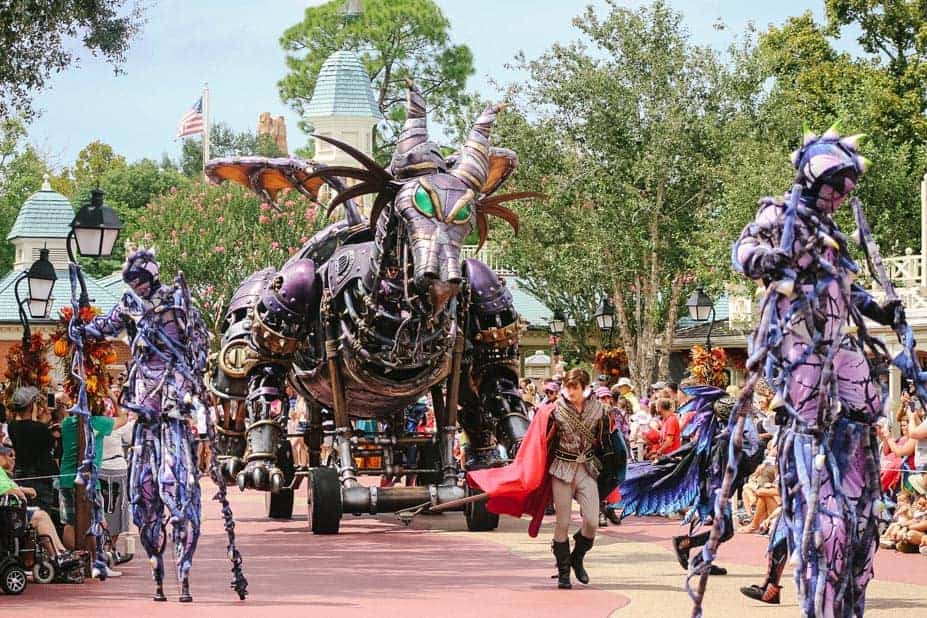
(396, 40)
(21, 171)
(36, 41)
(892, 30)
(93, 162)
(625, 144)
(218, 235)
(225, 142)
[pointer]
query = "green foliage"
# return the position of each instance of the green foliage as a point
(128, 188)
(396, 39)
(218, 235)
(21, 171)
(37, 41)
(95, 160)
(624, 144)
(225, 142)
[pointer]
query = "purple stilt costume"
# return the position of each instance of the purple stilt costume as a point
(812, 344)
(165, 388)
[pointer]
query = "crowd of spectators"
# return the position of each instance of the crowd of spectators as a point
(38, 466)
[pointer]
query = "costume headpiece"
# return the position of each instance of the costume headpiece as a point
(822, 159)
(141, 264)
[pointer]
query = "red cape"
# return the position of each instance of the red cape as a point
(522, 487)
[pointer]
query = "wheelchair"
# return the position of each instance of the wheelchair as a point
(22, 549)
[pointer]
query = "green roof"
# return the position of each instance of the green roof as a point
(534, 312)
(46, 214)
(343, 89)
(113, 283)
(9, 312)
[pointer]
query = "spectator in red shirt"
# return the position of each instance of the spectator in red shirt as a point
(670, 433)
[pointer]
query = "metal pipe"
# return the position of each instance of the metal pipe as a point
(449, 470)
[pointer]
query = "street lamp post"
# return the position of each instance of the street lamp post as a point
(94, 229)
(556, 326)
(41, 279)
(702, 308)
(605, 320)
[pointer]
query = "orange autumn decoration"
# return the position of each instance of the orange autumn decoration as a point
(707, 367)
(612, 362)
(97, 355)
(30, 369)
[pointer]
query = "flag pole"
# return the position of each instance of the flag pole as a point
(205, 127)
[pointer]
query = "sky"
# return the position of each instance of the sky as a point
(233, 45)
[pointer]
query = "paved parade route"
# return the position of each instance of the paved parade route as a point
(437, 568)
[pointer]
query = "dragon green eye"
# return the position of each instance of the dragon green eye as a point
(423, 202)
(463, 214)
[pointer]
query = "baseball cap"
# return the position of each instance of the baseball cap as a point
(602, 391)
(551, 387)
(659, 386)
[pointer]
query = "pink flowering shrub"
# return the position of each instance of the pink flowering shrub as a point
(218, 235)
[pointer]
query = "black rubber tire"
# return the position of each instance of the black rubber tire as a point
(13, 579)
(279, 505)
(324, 500)
(43, 572)
(478, 518)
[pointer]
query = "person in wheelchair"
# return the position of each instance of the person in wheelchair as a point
(36, 517)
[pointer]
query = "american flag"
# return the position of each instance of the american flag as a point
(192, 122)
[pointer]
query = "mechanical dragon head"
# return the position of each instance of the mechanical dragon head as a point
(436, 202)
(425, 204)
(829, 167)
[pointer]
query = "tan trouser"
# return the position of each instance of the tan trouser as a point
(586, 492)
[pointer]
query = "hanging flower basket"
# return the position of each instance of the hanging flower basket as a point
(707, 366)
(30, 369)
(97, 355)
(612, 362)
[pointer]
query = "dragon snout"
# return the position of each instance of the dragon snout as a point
(437, 261)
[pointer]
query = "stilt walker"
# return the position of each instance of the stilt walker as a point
(165, 388)
(813, 348)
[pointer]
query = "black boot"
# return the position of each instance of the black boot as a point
(684, 544)
(769, 591)
(767, 594)
(185, 591)
(580, 547)
(562, 554)
(159, 591)
(612, 516)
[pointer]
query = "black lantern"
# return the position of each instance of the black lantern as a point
(605, 316)
(557, 323)
(41, 277)
(702, 308)
(95, 228)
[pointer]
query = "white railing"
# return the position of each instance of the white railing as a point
(489, 255)
(907, 273)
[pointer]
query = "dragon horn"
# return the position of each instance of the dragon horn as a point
(853, 141)
(863, 164)
(832, 132)
(415, 129)
(473, 166)
(807, 136)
